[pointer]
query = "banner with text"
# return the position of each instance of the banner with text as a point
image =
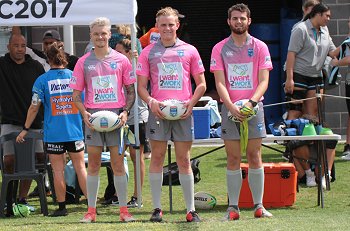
(65, 12)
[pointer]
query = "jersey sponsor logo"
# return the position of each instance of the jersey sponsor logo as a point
(59, 86)
(139, 66)
(63, 105)
(180, 53)
(267, 59)
(35, 99)
(113, 65)
(157, 54)
(213, 62)
(104, 89)
(250, 52)
(240, 76)
(170, 76)
(200, 63)
(229, 53)
(73, 80)
(79, 144)
(91, 67)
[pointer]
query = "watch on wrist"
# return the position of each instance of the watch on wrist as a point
(25, 129)
(253, 102)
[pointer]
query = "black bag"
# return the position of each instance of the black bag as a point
(174, 171)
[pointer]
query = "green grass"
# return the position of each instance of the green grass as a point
(303, 215)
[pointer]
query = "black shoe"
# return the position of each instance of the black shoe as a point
(35, 192)
(192, 216)
(59, 213)
(111, 201)
(157, 215)
(133, 203)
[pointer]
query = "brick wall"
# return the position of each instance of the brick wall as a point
(336, 114)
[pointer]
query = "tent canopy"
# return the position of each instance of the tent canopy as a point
(66, 12)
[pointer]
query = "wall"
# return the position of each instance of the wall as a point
(336, 114)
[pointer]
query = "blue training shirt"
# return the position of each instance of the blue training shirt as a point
(62, 120)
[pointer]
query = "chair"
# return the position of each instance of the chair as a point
(23, 169)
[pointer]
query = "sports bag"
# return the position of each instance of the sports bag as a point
(174, 171)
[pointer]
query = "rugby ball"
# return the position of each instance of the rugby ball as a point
(173, 109)
(203, 200)
(20, 210)
(240, 104)
(104, 121)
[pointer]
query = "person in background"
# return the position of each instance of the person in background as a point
(18, 73)
(100, 68)
(345, 61)
(170, 56)
(241, 65)
(63, 130)
(310, 44)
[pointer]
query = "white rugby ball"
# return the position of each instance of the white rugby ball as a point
(240, 104)
(173, 109)
(203, 200)
(105, 121)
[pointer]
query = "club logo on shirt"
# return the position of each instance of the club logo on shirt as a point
(250, 52)
(113, 65)
(180, 53)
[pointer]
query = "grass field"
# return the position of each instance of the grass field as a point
(303, 215)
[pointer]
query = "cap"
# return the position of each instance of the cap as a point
(52, 34)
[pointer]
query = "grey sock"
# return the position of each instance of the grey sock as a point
(256, 184)
(156, 181)
(92, 185)
(187, 185)
(234, 185)
(121, 187)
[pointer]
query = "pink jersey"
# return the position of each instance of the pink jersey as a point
(241, 65)
(103, 80)
(170, 69)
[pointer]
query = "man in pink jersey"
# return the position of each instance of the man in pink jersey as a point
(241, 65)
(102, 73)
(169, 64)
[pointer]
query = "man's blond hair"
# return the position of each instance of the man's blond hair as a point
(101, 21)
(168, 11)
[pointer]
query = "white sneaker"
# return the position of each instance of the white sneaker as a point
(310, 181)
(346, 157)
